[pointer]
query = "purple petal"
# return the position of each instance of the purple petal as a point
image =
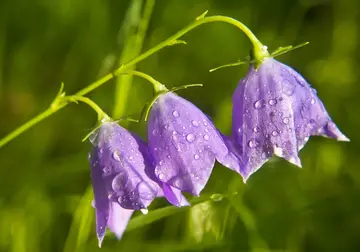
(118, 219)
(121, 167)
(275, 111)
(183, 143)
(174, 196)
(101, 198)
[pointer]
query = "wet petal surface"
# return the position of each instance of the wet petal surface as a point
(183, 143)
(275, 111)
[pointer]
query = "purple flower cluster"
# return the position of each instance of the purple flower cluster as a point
(275, 111)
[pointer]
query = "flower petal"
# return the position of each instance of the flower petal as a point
(174, 196)
(183, 143)
(122, 167)
(118, 219)
(101, 198)
(275, 111)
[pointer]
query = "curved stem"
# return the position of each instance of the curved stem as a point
(158, 87)
(101, 114)
(26, 126)
(258, 49)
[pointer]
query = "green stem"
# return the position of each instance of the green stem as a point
(26, 126)
(158, 87)
(102, 116)
(258, 49)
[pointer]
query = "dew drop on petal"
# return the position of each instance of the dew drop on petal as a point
(312, 101)
(178, 183)
(285, 120)
(161, 176)
(116, 155)
(106, 170)
(196, 156)
(256, 129)
(175, 113)
(252, 143)
(195, 123)
(206, 137)
(131, 158)
(259, 104)
(272, 102)
(274, 133)
(161, 162)
(119, 182)
(190, 138)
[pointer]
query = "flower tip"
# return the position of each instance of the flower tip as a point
(296, 161)
(144, 211)
(343, 138)
(100, 240)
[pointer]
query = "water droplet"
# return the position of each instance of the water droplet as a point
(239, 130)
(252, 143)
(190, 138)
(256, 129)
(247, 111)
(206, 137)
(290, 130)
(196, 156)
(106, 170)
(195, 123)
(216, 197)
(174, 137)
(131, 158)
(288, 88)
(161, 176)
(178, 183)
(312, 101)
(120, 181)
(116, 155)
(259, 104)
(272, 102)
(183, 127)
(175, 113)
(161, 162)
(286, 120)
(274, 133)
(154, 132)
(205, 123)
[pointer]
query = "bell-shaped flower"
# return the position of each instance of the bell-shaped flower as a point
(184, 144)
(120, 183)
(275, 111)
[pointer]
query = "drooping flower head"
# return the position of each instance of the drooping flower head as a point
(120, 183)
(184, 144)
(275, 111)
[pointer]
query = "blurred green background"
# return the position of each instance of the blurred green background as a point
(45, 193)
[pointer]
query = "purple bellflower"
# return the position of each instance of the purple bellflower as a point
(184, 144)
(119, 161)
(275, 111)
